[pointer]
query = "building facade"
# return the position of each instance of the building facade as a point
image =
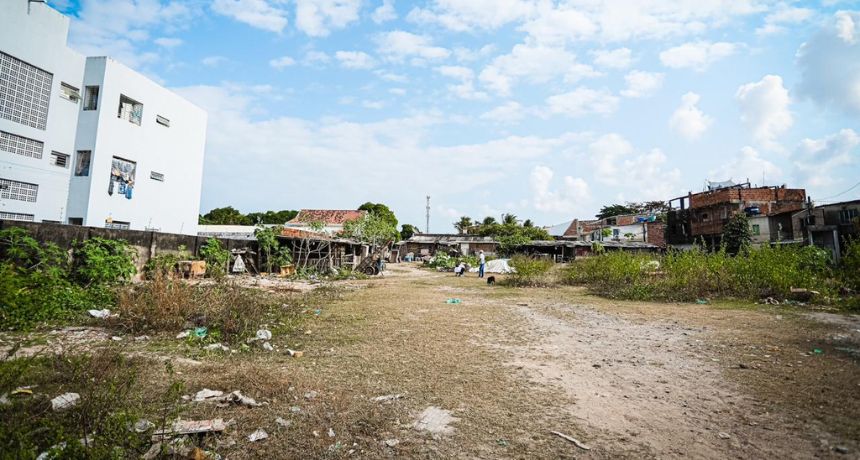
(88, 141)
(829, 226)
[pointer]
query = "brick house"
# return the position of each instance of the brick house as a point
(828, 226)
(625, 228)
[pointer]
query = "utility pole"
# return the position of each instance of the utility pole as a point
(427, 228)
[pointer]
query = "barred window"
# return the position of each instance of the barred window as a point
(27, 147)
(60, 159)
(21, 191)
(16, 216)
(156, 176)
(25, 91)
(117, 225)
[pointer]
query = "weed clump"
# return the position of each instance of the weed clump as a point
(530, 271)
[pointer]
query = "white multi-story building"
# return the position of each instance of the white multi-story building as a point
(88, 141)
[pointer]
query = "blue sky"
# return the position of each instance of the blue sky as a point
(547, 109)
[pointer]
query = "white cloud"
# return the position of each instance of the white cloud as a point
(830, 64)
(817, 160)
(785, 15)
(535, 64)
(398, 45)
(317, 18)
(213, 61)
(688, 120)
(620, 58)
(468, 55)
(459, 72)
(764, 110)
(583, 101)
(642, 84)
(384, 12)
(748, 164)
(355, 59)
(696, 55)
(261, 14)
(466, 15)
(606, 155)
(168, 42)
(567, 199)
(316, 58)
(510, 112)
(466, 88)
(282, 62)
(375, 105)
(397, 91)
(389, 76)
(616, 162)
(558, 26)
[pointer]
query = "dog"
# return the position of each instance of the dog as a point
(491, 280)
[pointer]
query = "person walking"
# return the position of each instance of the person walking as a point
(482, 261)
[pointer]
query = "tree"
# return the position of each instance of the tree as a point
(489, 220)
(373, 228)
(382, 211)
(463, 224)
(225, 216)
(737, 235)
(614, 210)
(509, 219)
(407, 230)
(276, 255)
(272, 217)
(528, 223)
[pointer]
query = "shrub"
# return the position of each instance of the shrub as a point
(530, 271)
(217, 258)
(103, 261)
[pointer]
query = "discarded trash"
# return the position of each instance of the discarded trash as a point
(392, 442)
(267, 346)
(573, 440)
(295, 409)
(282, 422)
(702, 301)
(101, 314)
(216, 346)
(435, 420)
(21, 391)
(317, 312)
(116, 338)
(502, 442)
(183, 334)
(295, 354)
(206, 393)
(143, 425)
(264, 334)
(200, 332)
(818, 351)
(454, 300)
(724, 435)
(331, 433)
(192, 426)
(771, 301)
(65, 401)
(258, 435)
(387, 398)
(311, 395)
(141, 338)
(238, 398)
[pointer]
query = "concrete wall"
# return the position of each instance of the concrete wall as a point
(38, 37)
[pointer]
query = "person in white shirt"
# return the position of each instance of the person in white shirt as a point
(482, 260)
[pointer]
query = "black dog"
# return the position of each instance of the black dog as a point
(491, 280)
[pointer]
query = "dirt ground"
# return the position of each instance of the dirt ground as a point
(494, 375)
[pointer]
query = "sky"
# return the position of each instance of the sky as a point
(545, 109)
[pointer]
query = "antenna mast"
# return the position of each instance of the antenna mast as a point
(427, 228)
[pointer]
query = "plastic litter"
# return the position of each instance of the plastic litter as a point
(453, 300)
(264, 334)
(193, 426)
(216, 346)
(267, 346)
(65, 401)
(258, 435)
(183, 334)
(101, 314)
(818, 351)
(206, 393)
(702, 301)
(200, 332)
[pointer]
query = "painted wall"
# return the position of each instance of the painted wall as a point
(39, 39)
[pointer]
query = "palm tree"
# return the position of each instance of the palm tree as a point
(528, 223)
(489, 220)
(463, 224)
(509, 219)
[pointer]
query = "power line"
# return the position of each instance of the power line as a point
(841, 193)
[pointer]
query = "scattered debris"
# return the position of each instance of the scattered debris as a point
(522, 304)
(771, 301)
(573, 440)
(295, 409)
(724, 435)
(216, 346)
(116, 338)
(65, 401)
(435, 420)
(200, 332)
(392, 442)
(206, 393)
(258, 435)
(453, 300)
(141, 338)
(502, 442)
(841, 449)
(282, 422)
(183, 334)
(702, 301)
(264, 334)
(743, 366)
(143, 425)
(294, 353)
(387, 398)
(331, 433)
(311, 395)
(817, 351)
(101, 314)
(22, 391)
(192, 427)
(268, 346)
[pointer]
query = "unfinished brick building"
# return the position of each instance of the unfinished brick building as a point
(703, 215)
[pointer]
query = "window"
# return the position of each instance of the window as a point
(13, 143)
(756, 230)
(92, 98)
(130, 110)
(25, 92)
(16, 216)
(21, 191)
(117, 225)
(705, 217)
(82, 165)
(122, 174)
(76, 221)
(847, 215)
(156, 176)
(615, 233)
(60, 159)
(162, 121)
(69, 92)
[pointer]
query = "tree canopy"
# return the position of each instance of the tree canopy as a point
(373, 228)
(737, 235)
(407, 230)
(382, 211)
(463, 224)
(644, 207)
(228, 215)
